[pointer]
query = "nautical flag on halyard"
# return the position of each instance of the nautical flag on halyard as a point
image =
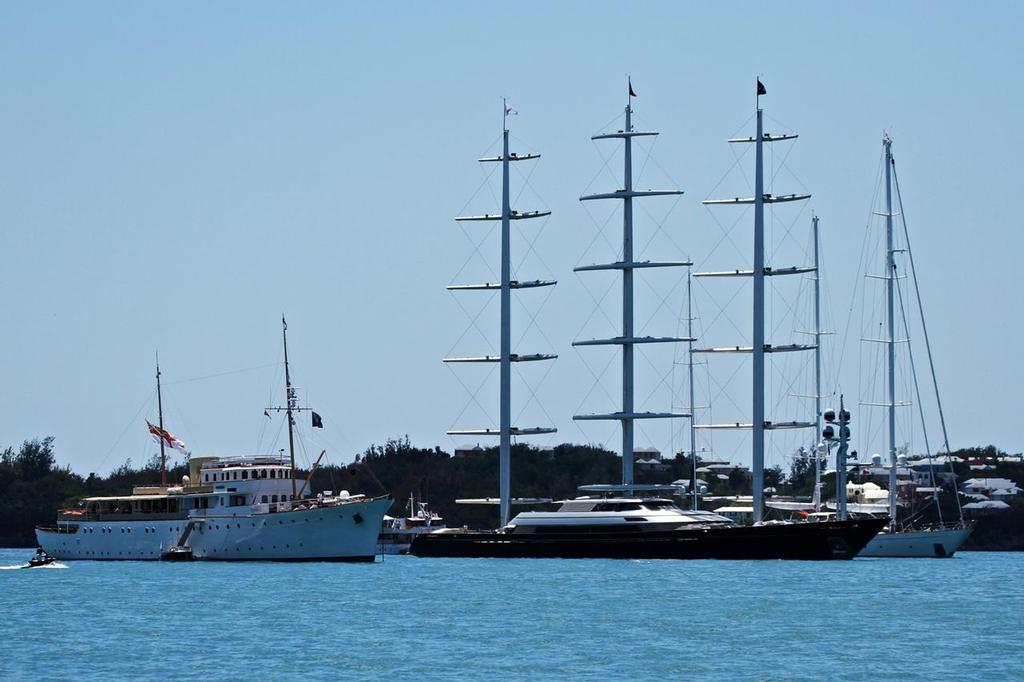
(509, 111)
(266, 414)
(760, 88)
(166, 436)
(632, 93)
(318, 422)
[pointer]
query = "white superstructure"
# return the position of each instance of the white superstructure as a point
(609, 513)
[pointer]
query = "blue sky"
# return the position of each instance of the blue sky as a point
(173, 178)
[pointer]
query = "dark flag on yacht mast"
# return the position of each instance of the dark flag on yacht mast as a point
(632, 93)
(318, 422)
(760, 88)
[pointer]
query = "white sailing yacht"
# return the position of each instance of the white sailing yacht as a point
(941, 539)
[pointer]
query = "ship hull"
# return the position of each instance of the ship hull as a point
(939, 544)
(804, 541)
(343, 533)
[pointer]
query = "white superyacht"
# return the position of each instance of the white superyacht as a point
(226, 509)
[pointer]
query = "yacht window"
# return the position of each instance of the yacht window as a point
(245, 474)
(617, 506)
(206, 477)
(272, 472)
(263, 473)
(577, 506)
(273, 498)
(264, 499)
(234, 475)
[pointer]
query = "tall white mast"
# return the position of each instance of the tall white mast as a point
(757, 440)
(758, 424)
(506, 357)
(817, 369)
(505, 390)
(627, 303)
(693, 407)
(890, 314)
(627, 265)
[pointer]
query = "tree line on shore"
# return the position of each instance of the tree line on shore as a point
(33, 486)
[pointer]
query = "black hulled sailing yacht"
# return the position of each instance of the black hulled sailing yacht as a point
(630, 521)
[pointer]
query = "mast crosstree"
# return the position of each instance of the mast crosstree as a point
(627, 415)
(505, 430)
(291, 405)
(758, 424)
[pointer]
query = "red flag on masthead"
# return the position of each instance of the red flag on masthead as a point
(165, 436)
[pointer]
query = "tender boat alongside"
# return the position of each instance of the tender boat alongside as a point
(397, 533)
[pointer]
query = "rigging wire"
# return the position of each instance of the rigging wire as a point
(220, 374)
(145, 404)
(920, 405)
(924, 329)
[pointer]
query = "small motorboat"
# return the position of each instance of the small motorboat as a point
(41, 558)
(177, 554)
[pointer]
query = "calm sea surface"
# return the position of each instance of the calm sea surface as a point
(411, 618)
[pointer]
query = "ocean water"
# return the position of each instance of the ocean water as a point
(448, 619)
